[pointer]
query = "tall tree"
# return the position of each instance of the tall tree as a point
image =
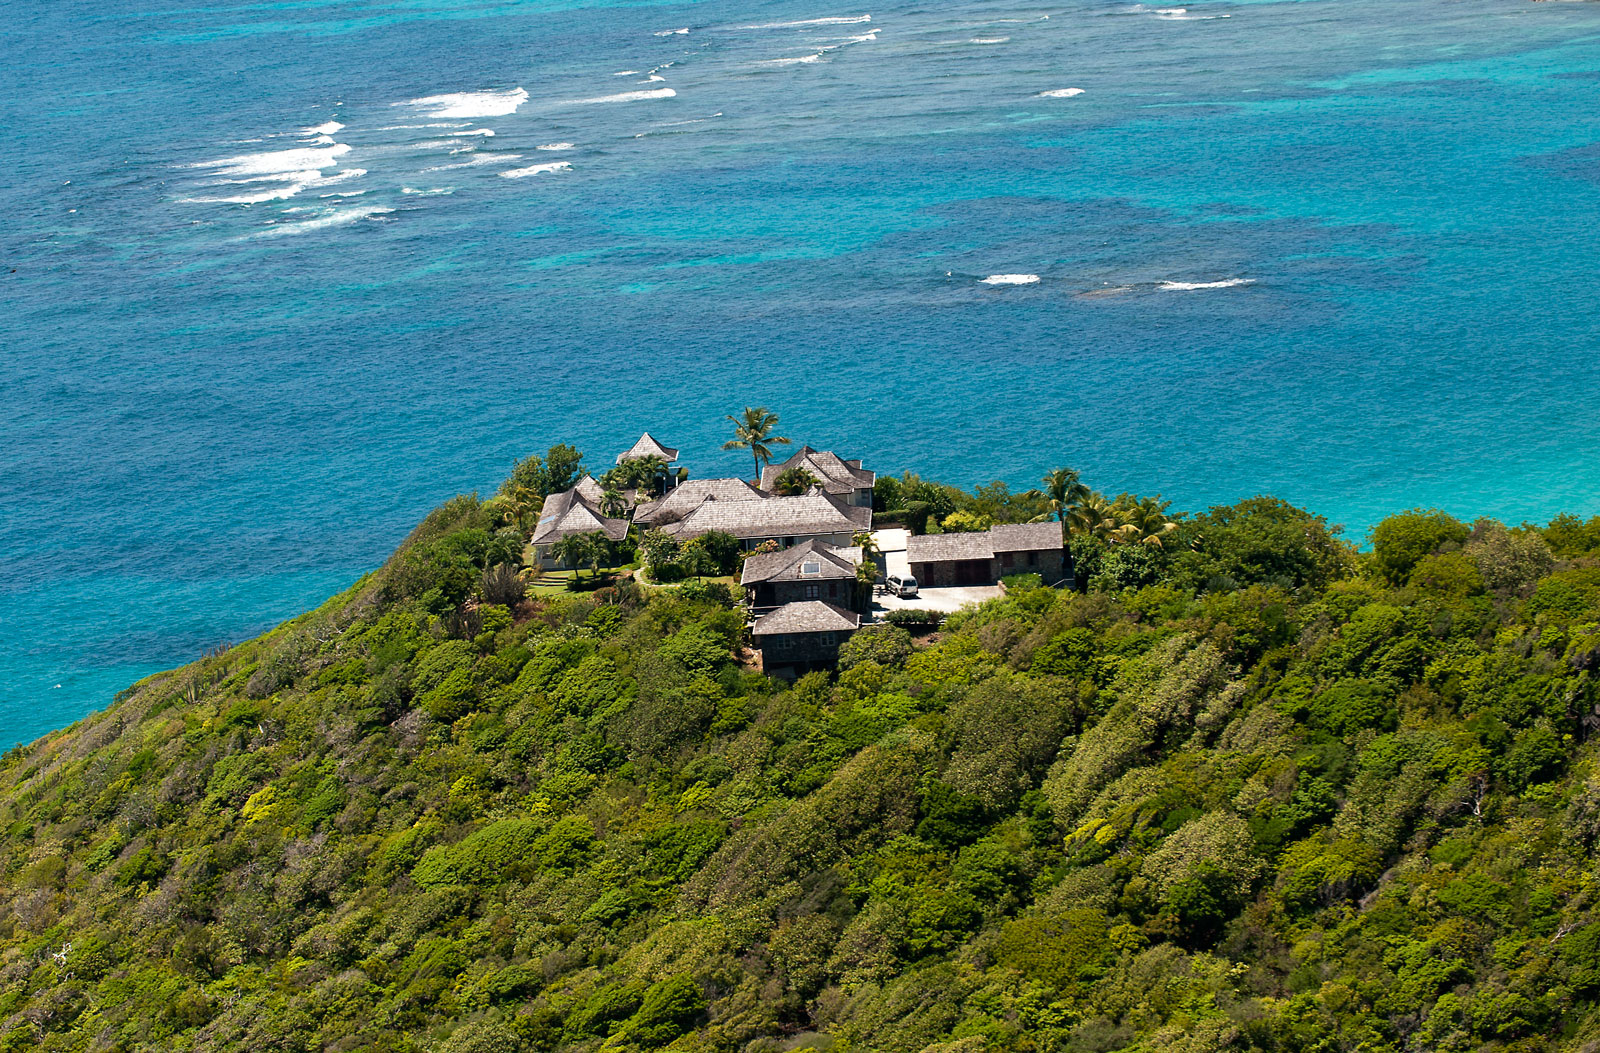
(753, 432)
(1064, 490)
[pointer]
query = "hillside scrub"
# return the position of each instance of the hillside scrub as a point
(1255, 790)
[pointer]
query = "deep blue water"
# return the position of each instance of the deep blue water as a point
(218, 412)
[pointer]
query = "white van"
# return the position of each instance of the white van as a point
(903, 587)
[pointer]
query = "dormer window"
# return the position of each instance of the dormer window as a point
(810, 568)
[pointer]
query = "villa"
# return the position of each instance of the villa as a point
(785, 521)
(688, 496)
(575, 511)
(648, 446)
(803, 635)
(984, 557)
(811, 570)
(845, 481)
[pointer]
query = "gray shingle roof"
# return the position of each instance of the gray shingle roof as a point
(687, 496)
(1026, 537)
(1004, 537)
(835, 475)
(937, 548)
(807, 616)
(809, 514)
(832, 564)
(647, 446)
(571, 512)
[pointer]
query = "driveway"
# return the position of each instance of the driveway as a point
(892, 543)
(947, 600)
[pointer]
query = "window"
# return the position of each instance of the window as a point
(811, 592)
(1033, 559)
(810, 567)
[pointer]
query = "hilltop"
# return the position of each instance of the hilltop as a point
(1249, 789)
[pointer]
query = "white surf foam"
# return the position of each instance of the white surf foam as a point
(407, 127)
(481, 159)
(273, 163)
(553, 166)
(674, 32)
(795, 61)
(629, 96)
(331, 219)
(328, 128)
(1010, 279)
(471, 103)
(432, 192)
(839, 20)
(1061, 93)
(626, 73)
(655, 79)
(1226, 283)
(989, 40)
(555, 146)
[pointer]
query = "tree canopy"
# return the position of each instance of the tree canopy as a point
(1253, 790)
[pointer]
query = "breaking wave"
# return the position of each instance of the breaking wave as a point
(471, 103)
(1226, 283)
(1010, 279)
(629, 96)
(1061, 93)
(553, 166)
(840, 20)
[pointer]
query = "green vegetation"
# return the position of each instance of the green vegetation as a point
(1254, 790)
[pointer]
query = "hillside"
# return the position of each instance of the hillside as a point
(1280, 796)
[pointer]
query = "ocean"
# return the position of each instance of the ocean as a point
(279, 277)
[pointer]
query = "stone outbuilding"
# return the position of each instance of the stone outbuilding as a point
(984, 557)
(804, 635)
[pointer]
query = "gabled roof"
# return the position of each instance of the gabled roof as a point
(686, 497)
(808, 616)
(590, 490)
(790, 564)
(937, 548)
(647, 446)
(809, 514)
(1025, 537)
(571, 512)
(836, 475)
(985, 544)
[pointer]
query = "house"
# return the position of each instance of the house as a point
(786, 521)
(845, 481)
(810, 570)
(648, 446)
(803, 635)
(677, 503)
(984, 557)
(575, 511)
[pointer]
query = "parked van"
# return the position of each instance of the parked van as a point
(903, 587)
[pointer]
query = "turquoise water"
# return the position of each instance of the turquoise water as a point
(272, 289)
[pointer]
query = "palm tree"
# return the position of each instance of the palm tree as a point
(1064, 490)
(1093, 515)
(753, 432)
(792, 482)
(1143, 521)
(612, 506)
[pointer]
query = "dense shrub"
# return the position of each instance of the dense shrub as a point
(1251, 792)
